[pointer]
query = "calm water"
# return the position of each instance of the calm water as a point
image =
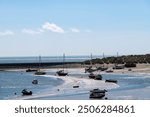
(127, 82)
(14, 82)
(131, 87)
(45, 59)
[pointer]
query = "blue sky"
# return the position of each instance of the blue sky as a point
(74, 27)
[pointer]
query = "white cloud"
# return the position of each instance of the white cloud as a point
(75, 30)
(5, 33)
(30, 31)
(52, 27)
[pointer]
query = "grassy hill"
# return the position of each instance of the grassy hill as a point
(121, 59)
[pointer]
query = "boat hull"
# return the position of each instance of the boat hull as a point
(40, 73)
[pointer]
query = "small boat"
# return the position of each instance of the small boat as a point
(98, 77)
(98, 90)
(118, 67)
(102, 68)
(130, 64)
(25, 92)
(76, 86)
(40, 73)
(111, 80)
(97, 93)
(31, 70)
(90, 69)
(129, 69)
(62, 73)
(109, 71)
(95, 77)
(35, 81)
(91, 75)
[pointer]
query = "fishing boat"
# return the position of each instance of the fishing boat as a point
(62, 72)
(109, 71)
(118, 66)
(26, 92)
(35, 81)
(75, 86)
(97, 93)
(39, 72)
(130, 64)
(31, 70)
(95, 77)
(111, 80)
(98, 77)
(92, 76)
(89, 69)
(103, 68)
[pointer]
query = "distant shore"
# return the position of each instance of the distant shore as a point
(4, 66)
(142, 68)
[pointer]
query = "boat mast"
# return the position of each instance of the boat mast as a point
(39, 62)
(91, 60)
(117, 58)
(117, 54)
(63, 61)
(103, 55)
(103, 58)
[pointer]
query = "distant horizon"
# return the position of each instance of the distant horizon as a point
(94, 55)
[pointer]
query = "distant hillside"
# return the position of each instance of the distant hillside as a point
(122, 59)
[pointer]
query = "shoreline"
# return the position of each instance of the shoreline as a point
(66, 89)
(85, 85)
(5, 66)
(140, 68)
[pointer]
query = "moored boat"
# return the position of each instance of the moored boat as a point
(98, 77)
(97, 93)
(40, 73)
(76, 86)
(31, 70)
(62, 73)
(91, 75)
(118, 67)
(35, 81)
(109, 71)
(25, 92)
(111, 80)
(95, 76)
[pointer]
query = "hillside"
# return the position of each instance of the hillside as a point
(121, 59)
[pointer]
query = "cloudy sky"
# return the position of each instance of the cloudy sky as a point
(74, 27)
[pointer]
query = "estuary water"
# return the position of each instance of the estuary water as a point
(131, 86)
(12, 82)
